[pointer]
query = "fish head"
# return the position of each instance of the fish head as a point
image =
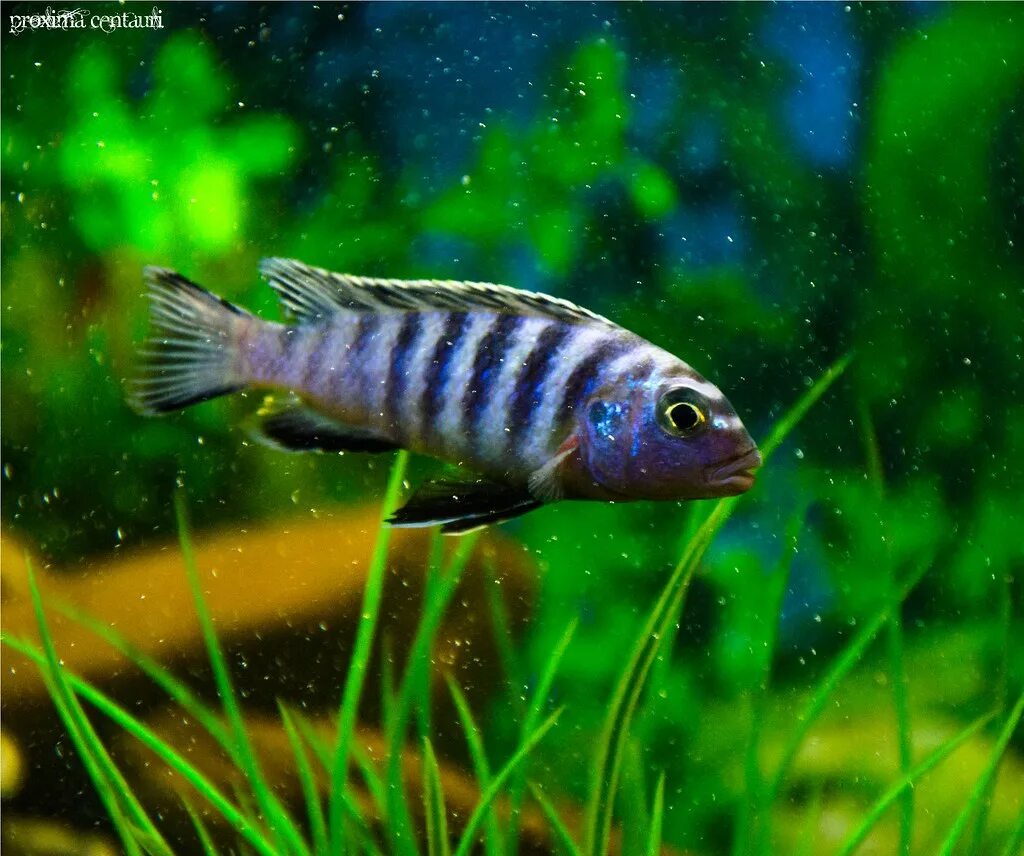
(675, 437)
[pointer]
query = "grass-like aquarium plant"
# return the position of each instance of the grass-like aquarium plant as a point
(331, 819)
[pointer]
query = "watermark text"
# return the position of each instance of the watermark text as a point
(84, 19)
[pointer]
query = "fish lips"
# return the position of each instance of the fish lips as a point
(736, 474)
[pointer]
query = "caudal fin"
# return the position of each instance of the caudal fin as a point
(192, 353)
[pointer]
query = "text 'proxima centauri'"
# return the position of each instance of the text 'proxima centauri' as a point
(541, 399)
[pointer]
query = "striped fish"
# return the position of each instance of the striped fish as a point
(541, 399)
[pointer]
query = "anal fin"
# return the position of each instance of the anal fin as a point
(296, 427)
(459, 507)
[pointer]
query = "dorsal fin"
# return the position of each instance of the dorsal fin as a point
(310, 293)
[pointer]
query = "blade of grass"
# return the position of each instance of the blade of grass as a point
(170, 756)
(840, 668)
(108, 796)
(534, 711)
(984, 780)
(307, 781)
(666, 611)
(314, 740)
(371, 778)
(562, 836)
(359, 828)
(356, 675)
(503, 638)
(468, 838)
(547, 679)
(358, 831)
(794, 416)
(634, 810)
(1015, 843)
(387, 682)
(366, 841)
(1002, 695)
(811, 823)
(894, 635)
(202, 833)
(422, 692)
(438, 843)
(1006, 623)
(660, 681)
(898, 682)
(612, 743)
(109, 782)
(178, 691)
(657, 814)
(749, 815)
(276, 816)
(480, 766)
(906, 782)
(399, 819)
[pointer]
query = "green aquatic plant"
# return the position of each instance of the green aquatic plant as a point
(535, 183)
(268, 826)
(161, 173)
(358, 667)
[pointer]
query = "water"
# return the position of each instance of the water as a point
(761, 190)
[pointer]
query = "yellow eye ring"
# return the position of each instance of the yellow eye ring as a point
(684, 418)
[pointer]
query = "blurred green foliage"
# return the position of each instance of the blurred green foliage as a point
(155, 149)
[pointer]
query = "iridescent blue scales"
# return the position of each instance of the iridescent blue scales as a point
(538, 398)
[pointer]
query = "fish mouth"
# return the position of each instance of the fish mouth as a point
(736, 473)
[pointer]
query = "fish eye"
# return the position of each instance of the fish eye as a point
(682, 413)
(685, 417)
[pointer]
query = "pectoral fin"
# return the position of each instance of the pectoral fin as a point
(545, 483)
(459, 507)
(295, 427)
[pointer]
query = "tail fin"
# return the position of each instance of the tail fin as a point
(192, 353)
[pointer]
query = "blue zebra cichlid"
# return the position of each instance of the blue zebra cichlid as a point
(542, 399)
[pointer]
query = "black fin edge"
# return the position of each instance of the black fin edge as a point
(458, 507)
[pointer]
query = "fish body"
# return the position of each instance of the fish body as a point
(543, 399)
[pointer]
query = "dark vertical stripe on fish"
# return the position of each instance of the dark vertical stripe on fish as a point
(398, 372)
(289, 339)
(362, 369)
(529, 389)
(317, 354)
(489, 354)
(587, 374)
(438, 369)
